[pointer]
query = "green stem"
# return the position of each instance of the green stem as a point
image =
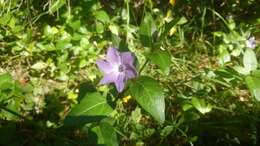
(127, 20)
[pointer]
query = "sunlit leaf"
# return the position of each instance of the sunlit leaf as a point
(249, 60)
(39, 65)
(182, 20)
(113, 29)
(102, 16)
(91, 108)
(241, 70)
(201, 105)
(149, 95)
(224, 55)
(92, 104)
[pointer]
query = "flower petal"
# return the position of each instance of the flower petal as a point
(120, 82)
(108, 78)
(104, 66)
(113, 56)
(127, 58)
(251, 42)
(130, 72)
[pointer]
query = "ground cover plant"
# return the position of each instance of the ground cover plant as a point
(129, 72)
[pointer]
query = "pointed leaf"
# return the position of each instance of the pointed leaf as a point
(92, 104)
(146, 30)
(92, 108)
(149, 95)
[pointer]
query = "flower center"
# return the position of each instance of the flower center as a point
(121, 68)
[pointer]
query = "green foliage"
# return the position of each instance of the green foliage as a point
(198, 80)
(162, 59)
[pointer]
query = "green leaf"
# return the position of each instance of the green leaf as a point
(146, 30)
(100, 27)
(224, 55)
(106, 134)
(5, 18)
(236, 52)
(92, 108)
(166, 131)
(190, 116)
(102, 16)
(253, 83)
(249, 60)
(5, 78)
(149, 95)
(218, 33)
(162, 59)
(39, 65)
(201, 105)
(113, 29)
(241, 70)
(48, 31)
(92, 104)
(75, 24)
(182, 21)
(56, 6)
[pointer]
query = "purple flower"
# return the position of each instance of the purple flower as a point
(251, 43)
(117, 68)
